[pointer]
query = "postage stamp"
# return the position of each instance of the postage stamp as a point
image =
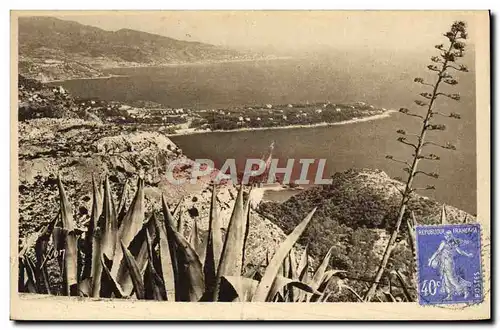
(449, 264)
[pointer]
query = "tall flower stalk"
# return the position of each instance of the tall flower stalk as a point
(442, 65)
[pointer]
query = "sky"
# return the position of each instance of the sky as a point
(287, 30)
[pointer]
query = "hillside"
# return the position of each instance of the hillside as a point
(59, 135)
(54, 49)
(356, 214)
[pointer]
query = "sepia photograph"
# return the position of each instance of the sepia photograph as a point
(309, 164)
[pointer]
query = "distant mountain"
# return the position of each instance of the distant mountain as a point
(51, 49)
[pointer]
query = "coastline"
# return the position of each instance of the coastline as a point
(165, 65)
(385, 114)
(202, 62)
(84, 78)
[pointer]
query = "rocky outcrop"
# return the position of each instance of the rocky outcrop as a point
(78, 151)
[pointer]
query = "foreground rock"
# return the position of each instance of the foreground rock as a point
(78, 150)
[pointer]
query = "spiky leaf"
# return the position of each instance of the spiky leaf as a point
(131, 225)
(191, 282)
(167, 268)
(91, 244)
(108, 223)
(214, 245)
(273, 268)
(232, 252)
(134, 272)
(237, 288)
(110, 280)
(70, 247)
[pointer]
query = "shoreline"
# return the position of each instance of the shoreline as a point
(202, 63)
(385, 114)
(84, 78)
(165, 65)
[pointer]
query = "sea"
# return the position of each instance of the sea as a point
(383, 81)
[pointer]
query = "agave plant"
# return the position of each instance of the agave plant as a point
(122, 255)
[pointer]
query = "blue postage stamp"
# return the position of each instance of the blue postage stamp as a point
(449, 264)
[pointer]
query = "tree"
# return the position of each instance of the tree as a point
(442, 65)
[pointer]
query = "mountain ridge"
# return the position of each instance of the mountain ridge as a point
(54, 49)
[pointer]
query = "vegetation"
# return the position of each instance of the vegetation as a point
(281, 115)
(55, 49)
(119, 255)
(442, 65)
(37, 100)
(355, 216)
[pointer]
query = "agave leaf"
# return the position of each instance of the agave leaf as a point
(66, 213)
(286, 291)
(167, 268)
(84, 289)
(278, 297)
(108, 223)
(153, 284)
(444, 221)
(292, 292)
(286, 266)
(21, 284)
(280, 282)
(177, 207)
(214, 244)
(97, 268)
(154, 287)
(325, 283)
(91, 257)
(327, 278)
(194, 239)
(345, 286)
(272, 270)
(134, 271)
(181, 222)
(112, 284)
(250, 273)
(303, 267)
(28, 278)
(71, 266)
(293, 264)
(191, 282)
(237, 288)
(122, 210)
(172, 248)
(138, 248)
(320, 271)
(326, 295)
(232, 252)
(131, 225)
(70, 247)
(41, 248)
(247, 227)
(403, 284)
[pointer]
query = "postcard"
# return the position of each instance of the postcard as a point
(250, 165)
